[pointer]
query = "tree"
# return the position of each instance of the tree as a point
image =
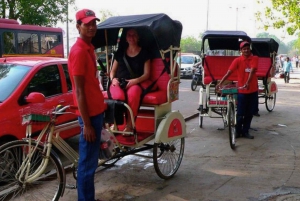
(36, 12)
(190, 44)
(283, 14)
(105, 14)
(283, 48)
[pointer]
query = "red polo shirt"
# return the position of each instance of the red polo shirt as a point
(82, 62)
(243, 65)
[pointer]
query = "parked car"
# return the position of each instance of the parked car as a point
(188, 63)
(20, 76)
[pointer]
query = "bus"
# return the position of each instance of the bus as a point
(29, 40)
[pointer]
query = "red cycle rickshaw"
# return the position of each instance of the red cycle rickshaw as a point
(32, 162)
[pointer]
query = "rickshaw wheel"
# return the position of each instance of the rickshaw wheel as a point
(112, 161)
(167, 157)
(201, 111)
(194, 84)
(231, 125)
(270, 102)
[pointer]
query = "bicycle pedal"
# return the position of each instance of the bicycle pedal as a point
(71, 186)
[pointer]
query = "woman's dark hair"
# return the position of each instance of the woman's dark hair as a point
(79, 22)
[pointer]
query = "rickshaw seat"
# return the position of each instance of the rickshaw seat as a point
(215, 67)
(263, 68)
(159, 96)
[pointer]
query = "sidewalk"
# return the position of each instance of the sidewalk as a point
(295, 74)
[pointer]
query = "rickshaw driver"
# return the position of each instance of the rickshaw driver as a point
(246, 66)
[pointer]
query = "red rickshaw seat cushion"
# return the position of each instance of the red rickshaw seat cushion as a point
(215, 67)
(264, 64)
(159, 95)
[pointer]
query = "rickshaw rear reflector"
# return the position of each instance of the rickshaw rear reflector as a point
(272, 87)
(175, 128)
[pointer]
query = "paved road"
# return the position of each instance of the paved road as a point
(266, 168)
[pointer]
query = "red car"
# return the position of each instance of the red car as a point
(19, 76)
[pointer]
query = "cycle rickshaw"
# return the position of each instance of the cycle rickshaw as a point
(31, 163)
(266, 49)
(219, 49)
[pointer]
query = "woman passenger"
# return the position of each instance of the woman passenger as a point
(138, 60)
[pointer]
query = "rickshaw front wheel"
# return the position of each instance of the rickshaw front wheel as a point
(270, 101)
(201, 111)
(167, 157)
(194, 84)
(231, 125)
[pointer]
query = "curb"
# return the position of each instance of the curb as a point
(191, 117)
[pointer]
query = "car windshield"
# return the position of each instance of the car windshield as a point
(10, 77)
(187, 60)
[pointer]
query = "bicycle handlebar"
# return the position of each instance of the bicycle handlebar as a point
(60, 109)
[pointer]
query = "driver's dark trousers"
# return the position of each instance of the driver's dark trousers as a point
(246, 106)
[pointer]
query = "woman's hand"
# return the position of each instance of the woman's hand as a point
(115, 82)
(132, 82)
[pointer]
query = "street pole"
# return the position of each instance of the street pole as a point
(207, 14)
(67, 28)
(236, 18)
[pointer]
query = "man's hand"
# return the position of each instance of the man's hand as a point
(218, 86)
(89, 133)
(246, 86)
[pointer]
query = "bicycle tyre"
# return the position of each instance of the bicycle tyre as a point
(167, 157)
(270, 102)
(231, 125)
(50, 183)
(194, 84)
(201, 111)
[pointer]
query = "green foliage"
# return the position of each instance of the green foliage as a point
(190, 44)
(105, 14)
(283, 48)
(282, 14)
(36, 12)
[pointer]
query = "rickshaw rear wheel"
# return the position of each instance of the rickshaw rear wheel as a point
(167, 157)
(110, 162)
(270, 102)
(231, 125)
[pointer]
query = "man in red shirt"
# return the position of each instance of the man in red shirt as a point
(89, 99)
(246, 66)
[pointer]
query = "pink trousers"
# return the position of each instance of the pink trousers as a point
(133, 94)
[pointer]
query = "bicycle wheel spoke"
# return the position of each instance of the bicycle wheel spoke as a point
(14, 186)
(167, 161)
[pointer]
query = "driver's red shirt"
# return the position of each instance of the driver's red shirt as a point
(82, 62)
(243, 65)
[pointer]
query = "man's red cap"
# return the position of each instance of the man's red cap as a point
(86, 15)
(244, 43)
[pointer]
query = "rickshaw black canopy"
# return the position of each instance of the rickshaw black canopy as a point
(156, 31)
(224, 40)
(263, 47)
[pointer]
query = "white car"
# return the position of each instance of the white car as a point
(188, 62)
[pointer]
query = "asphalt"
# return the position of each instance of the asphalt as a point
(266, 168)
